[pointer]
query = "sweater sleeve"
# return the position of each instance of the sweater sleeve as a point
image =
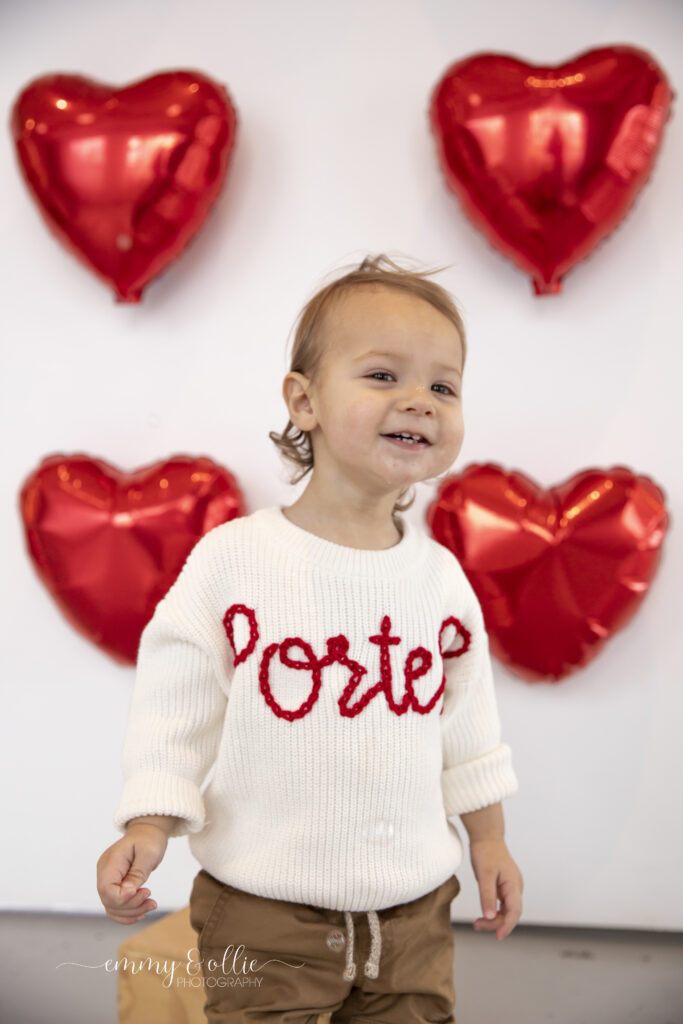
(477, 766)
(177, 707)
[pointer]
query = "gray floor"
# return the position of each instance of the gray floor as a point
(536, 975)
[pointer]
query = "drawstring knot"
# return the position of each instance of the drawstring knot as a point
(371, 968)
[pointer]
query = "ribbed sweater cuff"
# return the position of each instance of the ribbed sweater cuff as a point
(479, 783)
(151, 793)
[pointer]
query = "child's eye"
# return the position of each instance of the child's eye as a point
(379, 374)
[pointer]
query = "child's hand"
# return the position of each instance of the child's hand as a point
(499, 878)
(122, 869)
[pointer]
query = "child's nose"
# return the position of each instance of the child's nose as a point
(417, 396)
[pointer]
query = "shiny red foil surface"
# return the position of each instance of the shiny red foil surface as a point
(124, 177)
(557, 571)
(546, 161)
(108, 544)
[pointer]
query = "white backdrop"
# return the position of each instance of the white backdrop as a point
(334, 159)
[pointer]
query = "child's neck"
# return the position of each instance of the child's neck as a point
(341, 525)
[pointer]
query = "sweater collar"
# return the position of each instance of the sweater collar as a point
(338, 558)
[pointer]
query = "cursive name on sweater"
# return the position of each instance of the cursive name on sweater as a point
(417, 663)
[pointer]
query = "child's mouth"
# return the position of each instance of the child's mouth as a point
(407, 441)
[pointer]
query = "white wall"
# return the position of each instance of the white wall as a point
(334, 158)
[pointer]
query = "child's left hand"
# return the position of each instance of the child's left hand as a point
(499, 879)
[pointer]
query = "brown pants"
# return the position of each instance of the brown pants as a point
(267, 960)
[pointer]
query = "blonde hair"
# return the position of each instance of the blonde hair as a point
(294, 444)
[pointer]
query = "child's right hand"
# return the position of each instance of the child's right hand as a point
(126, 864)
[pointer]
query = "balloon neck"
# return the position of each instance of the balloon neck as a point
(547, 287)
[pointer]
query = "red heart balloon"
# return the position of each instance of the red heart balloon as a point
(125, 177)
(557, 571)
(546, 161)
(108, 544)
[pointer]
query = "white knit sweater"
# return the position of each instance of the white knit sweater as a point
(310, 673)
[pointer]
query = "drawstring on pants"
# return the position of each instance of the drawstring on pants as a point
(371, 969)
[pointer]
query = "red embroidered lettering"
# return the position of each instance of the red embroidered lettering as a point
(311, 665)
(459, 631)
(417, 664)
(415, 673)
(384, 640)
(241, 609)
(337, 648)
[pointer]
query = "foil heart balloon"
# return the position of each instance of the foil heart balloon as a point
(558, 571)
(546, 161)
(109, 544)
(124, 177)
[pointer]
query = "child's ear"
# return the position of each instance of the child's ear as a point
(295, 393)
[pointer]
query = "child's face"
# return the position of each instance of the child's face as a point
(413, 386)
